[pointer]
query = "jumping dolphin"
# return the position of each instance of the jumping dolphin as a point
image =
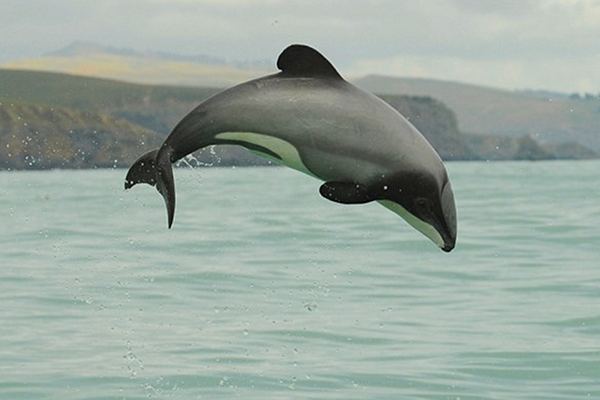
(309, 118)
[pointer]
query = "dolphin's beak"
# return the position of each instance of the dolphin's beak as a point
(447, 225)
(448, 247)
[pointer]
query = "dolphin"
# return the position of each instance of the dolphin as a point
(309, 118)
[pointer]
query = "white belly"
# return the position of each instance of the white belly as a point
(286, 151)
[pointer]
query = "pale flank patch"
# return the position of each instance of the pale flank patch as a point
(288, 153)
(423, 227)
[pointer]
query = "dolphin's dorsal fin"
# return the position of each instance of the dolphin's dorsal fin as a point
(301, 60)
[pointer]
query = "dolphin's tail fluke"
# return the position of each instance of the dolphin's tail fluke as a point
(154, 168)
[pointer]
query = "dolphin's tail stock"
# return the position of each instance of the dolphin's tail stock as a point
(154, 168)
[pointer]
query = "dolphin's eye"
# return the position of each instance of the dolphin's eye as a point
(421, 203)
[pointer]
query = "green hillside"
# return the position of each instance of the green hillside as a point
(154, 106)
(489, 111)
(58, 89)
(40, 137)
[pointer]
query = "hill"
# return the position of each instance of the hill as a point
(43, 111)
(498, 148)
(548, 117)
(156, 107)
(41, 137)
(149, 67)
(489, 111)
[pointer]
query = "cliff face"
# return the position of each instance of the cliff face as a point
(40, 137)
(436, 122)
(549, 118)
(497, 148)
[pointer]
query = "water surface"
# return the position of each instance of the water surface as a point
(264, 290)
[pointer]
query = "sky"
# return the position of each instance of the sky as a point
(512, 44)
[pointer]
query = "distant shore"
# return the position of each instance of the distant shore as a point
(50, 120)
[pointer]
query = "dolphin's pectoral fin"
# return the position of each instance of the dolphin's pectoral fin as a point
(345, 192)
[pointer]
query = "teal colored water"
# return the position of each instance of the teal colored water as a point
(264, 290)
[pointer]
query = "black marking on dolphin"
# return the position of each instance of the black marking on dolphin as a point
(309, 118)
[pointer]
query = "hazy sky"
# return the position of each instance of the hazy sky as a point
(549, 44)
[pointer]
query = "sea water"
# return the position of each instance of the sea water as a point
(265, 290)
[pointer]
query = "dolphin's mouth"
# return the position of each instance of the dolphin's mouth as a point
(447, 234)
(448, 247)
(425, 228)
(449, 212)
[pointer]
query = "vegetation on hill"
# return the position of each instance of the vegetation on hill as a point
(152, 106)
(41, 137)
